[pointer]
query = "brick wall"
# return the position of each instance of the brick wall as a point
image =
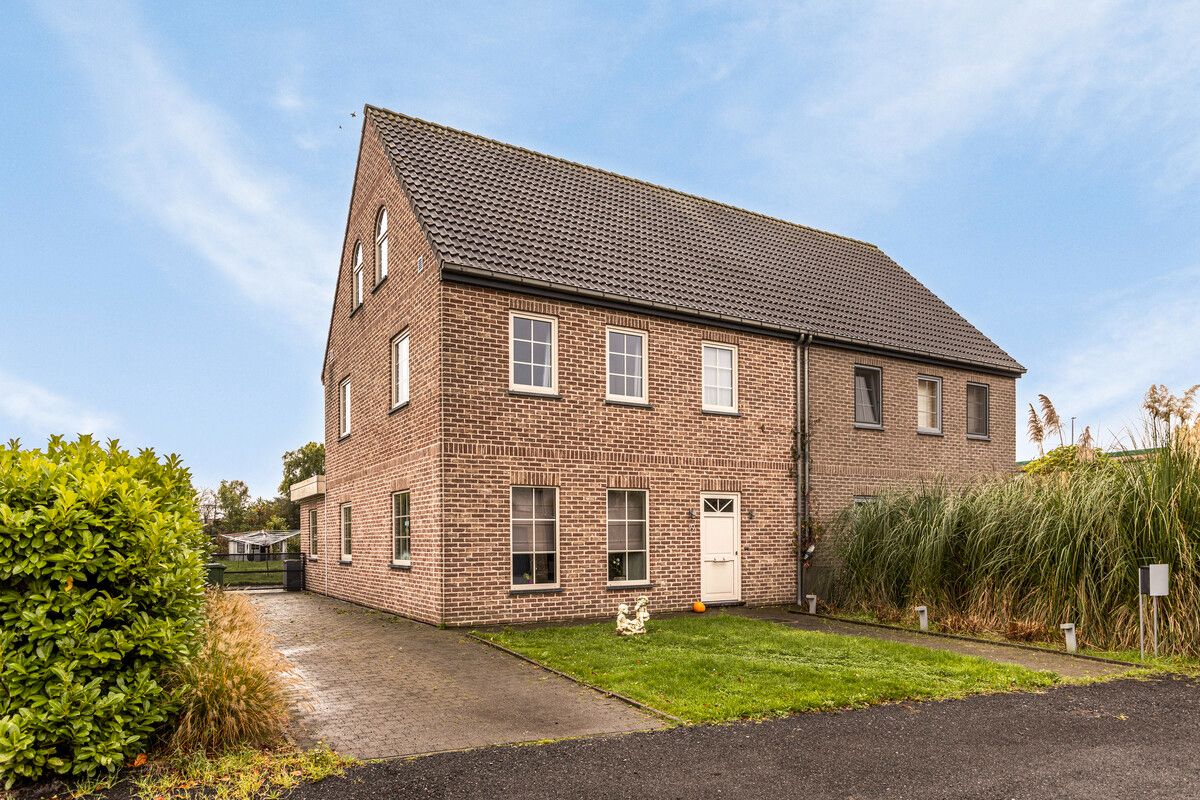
(386, 450)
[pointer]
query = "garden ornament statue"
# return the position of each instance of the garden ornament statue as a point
(631, 625)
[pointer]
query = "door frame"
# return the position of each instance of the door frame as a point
(737, 542)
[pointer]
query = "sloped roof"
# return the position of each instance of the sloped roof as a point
(515, 214)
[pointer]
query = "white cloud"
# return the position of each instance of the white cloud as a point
(1144, 334)
(35, 410)
(176, 158)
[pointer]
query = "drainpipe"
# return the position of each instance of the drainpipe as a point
(801, 460)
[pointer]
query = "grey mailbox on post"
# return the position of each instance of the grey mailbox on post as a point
(1154, 581)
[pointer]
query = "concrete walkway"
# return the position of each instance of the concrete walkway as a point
(374, 685)
(1067, 666)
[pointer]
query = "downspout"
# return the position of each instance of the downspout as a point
(801, 456)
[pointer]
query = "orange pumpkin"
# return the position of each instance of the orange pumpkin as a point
(698, 607)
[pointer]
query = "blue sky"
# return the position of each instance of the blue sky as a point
(174, 179)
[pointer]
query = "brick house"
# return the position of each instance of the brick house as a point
(551, 388)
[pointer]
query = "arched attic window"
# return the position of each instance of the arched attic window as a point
(381, 245)
(358, 275)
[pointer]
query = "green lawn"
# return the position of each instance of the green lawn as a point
(253, 573)
(720, 666)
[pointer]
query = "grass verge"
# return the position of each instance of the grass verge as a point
(721, 667)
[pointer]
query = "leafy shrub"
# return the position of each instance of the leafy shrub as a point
(1039, 549)
(230, 695)
(1069, 458)
(101, 590)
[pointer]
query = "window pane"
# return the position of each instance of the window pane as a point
(616, 363)
(636, 535)
(616, 566)
(522, 537)
(523, 375)
(383, 258)
(545, 503)
(522, 569)
(866, 396)
(521, 328)
(616, 536)
(633, 387)
(545, 568)
(522, 351)
(637, 505)
(543, 537)
(633, 346)
(710, 504)
(635, 566)
(541, 331)
(541, 354)
(616, 385)
(522, 503)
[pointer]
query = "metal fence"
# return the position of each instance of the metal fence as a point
(252, 570)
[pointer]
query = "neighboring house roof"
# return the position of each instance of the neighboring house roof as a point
(500, 211)
(260, 538)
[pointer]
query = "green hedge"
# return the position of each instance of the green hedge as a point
(101, 590)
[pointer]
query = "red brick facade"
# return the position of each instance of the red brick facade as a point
(465, 439)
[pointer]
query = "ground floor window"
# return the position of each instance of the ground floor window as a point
(626, 536)
(534, 515)
(401, 530)
(312, 532)
(346, 550)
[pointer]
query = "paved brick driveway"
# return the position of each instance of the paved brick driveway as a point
(375, 685)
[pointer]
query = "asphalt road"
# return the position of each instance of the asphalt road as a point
(1123, 739)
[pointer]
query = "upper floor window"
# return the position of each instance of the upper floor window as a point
(534, 517)
(626, 365)
(344, 408)
(346, 540)
(533, 345)
(312, 532)
(868, 396)
(401, 530)
(977, 411)
(400, 370)
(381, 246)
(720, 378)
(626, 536)
(929, 404)
(358, 274)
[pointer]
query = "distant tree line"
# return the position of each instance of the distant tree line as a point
(230, 509)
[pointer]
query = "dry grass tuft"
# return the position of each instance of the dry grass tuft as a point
(230, 693)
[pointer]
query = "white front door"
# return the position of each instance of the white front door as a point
(720, 549)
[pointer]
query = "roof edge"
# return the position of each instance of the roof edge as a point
(725, 319)
(387, 111)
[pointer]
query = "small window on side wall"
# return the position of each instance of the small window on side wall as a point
(533, 342)
(344, 408)
(401, 529)
(929, 404)
(313, 539)
(346, 537)
(400, 372)
(720, 378)
(868, 397)
(381, 246)
(977, 411)
(357, 277)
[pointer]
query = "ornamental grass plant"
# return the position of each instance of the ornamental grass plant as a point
(1030, 552)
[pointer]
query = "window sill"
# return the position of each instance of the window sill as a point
(719, 412)
(531, 393)
(313, 558)
(617, 587)
(929, 433)
(343, 437)
(974, 437)
(402, 566)
(381, 282)
(516, 590)
(356, 309)
(345, 562)
(613, 401)
(398, 407)
(862, 426)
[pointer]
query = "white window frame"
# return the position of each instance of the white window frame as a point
(314, 539)
(937, 382)
(356, 284)
(513, 386)
(381, 245)
(531, 587)
(608, 552)
(987, 410)
(624, 398)
(344, 408)
(854, 396)
(704, 405)
(346, 530)
(401, 370)
(402, 562)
